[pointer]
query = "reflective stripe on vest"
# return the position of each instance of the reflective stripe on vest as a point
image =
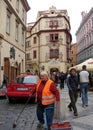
(47, 96)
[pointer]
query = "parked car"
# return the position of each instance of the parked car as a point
(3, 92)
(22, 87)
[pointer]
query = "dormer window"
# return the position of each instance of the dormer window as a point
(53, 23)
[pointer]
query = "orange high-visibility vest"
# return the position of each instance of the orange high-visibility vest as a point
(47, 96)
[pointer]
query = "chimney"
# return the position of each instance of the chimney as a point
(83, 14)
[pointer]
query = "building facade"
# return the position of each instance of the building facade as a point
(49, 40)
(84, 37)
(13, 14)
(73, 54)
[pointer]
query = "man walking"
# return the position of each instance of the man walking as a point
(84, 79)
(62, 79)
(72, 84)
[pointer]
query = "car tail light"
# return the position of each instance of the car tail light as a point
(10, 88)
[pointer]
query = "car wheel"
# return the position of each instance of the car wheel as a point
(10, 100)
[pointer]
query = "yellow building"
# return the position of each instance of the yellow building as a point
(48, 41)
(12, 37)
(73, 54)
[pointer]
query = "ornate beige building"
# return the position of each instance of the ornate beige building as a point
(13, 14)
(48, 41)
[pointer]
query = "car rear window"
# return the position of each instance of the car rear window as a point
(27, 79)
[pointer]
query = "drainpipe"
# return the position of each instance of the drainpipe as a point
(1, 37)
(39, 50)
(0, 61)
(39, 53)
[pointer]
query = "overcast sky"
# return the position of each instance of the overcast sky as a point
(74, 8)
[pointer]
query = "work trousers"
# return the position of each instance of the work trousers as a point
(45, 114)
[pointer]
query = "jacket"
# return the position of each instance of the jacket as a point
(47, 96)
(72, 82)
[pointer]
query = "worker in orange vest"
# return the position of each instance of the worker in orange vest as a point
(46, 95)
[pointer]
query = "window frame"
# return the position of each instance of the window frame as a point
(16, 31)
(54, 53)
(8, 21)
(54, 37)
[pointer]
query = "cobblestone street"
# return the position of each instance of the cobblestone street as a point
(9, 113)
(28, 119)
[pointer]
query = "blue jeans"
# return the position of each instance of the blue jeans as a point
(45, 114)
(84, 93)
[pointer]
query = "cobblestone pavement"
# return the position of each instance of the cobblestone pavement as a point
(10, 112)
(28, 119)
(84, 121)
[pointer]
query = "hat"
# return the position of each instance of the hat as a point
(44, 73)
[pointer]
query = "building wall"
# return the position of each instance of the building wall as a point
(9, 12)
(84, 37)
(73, 54)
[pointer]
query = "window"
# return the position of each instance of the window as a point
(30, 79)
(53, 23)
(53, 37)
(54, 53)
(34, 40)
(34, 54)
(28, 56)
(23, 37)
(27, 79)
(23, 15)
(8, 22)
(27, 44)
(17, 5)
(16, 31)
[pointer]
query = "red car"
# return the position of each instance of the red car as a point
(22, 87)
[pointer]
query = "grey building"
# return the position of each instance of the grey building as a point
(84, 37)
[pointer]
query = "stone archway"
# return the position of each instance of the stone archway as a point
(54, 70)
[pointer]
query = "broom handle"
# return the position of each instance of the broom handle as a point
(24, 106)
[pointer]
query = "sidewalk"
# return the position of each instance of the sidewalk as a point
(84, 121)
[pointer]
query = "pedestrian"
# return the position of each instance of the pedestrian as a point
(84, 79)
(5, 81)
(55, 78)
(62, 79)
(28, 72)
(72, 84)
(46, 93)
